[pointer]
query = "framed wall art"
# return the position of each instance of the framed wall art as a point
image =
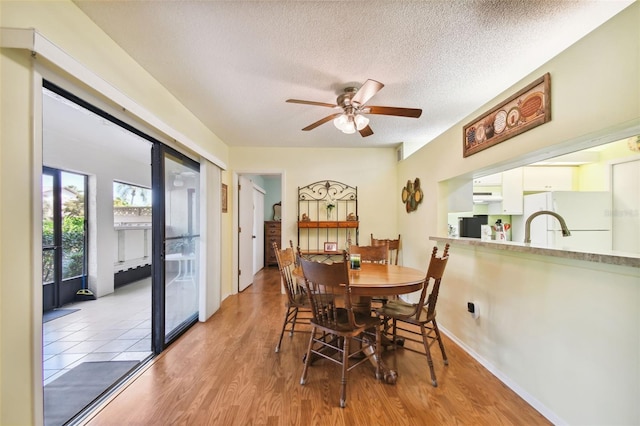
(528, 108)
(223, 193)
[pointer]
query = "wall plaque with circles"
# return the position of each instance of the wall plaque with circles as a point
(500, 123)
(528, 108)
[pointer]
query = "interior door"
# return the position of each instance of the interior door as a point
(246, 236)
(258, 230)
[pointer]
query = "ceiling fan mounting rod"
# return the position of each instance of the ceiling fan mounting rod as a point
(344, 100)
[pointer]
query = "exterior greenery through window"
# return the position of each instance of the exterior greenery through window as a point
(127, 195)
(72, 227)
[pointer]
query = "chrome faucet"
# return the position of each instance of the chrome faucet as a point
(527, 224)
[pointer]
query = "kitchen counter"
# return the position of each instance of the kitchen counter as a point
(613, 258)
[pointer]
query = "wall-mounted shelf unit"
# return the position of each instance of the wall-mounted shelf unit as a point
(318, 223)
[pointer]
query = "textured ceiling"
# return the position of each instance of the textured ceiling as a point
(234, 63)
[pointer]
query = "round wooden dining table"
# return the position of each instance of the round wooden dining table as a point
(374, 279)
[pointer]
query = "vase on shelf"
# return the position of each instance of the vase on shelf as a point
(330, 205)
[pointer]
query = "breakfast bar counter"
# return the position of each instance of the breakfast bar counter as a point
(613, 258)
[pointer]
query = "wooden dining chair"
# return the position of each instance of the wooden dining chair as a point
(372, 254)
(378, 253)
(335, 324)
(297, 304)
(394, 247)
(422, 314)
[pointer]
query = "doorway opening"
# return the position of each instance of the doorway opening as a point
(258, 192)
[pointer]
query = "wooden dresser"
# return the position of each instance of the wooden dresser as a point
(272, 232)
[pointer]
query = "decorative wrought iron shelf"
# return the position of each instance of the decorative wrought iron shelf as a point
(327, 212)
(330, 224)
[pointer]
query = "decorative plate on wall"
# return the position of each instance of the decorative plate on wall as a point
(412, 195)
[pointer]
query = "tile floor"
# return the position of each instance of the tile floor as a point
(114, 327)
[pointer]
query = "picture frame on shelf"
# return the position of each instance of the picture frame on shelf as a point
(330, 247)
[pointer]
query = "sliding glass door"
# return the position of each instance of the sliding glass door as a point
(178, 230)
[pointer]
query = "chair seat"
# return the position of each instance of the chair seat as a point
(363, 321)
(300, 299)
(404, 310)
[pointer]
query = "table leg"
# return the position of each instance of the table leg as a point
(362, 304)
(388, 375)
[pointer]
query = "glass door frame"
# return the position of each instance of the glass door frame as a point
(158, 340)
(159, 337)
(62, 296)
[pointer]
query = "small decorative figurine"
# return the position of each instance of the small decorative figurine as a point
(305, 218)
(351, 217)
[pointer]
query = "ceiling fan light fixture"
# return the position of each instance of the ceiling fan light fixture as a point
(349, 129)
(361, 121)
(349, 123)
(341, 122)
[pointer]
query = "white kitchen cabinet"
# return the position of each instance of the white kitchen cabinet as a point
(540, 178)
(489, 180)
(512, 190)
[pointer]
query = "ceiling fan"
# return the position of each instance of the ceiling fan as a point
(353, 104)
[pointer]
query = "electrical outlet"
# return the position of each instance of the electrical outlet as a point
(472, 308)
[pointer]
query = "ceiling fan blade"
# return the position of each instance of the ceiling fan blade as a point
(400, 112)
(366, 92)
(298, 101)
(324, 120)
(366, 132)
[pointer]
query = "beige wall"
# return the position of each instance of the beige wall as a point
(16, 244)
(566, 335)
(372, 170)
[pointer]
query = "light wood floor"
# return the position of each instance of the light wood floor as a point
(225, 372)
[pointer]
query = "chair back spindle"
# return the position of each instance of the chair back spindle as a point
(372, 254)
(427, 304)
(394, 247)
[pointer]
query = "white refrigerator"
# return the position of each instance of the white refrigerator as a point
(586, 213)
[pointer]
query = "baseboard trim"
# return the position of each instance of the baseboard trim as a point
(537, 405)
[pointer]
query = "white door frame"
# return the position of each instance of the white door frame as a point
(258, 228)
(234, 233)
(246, 233)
